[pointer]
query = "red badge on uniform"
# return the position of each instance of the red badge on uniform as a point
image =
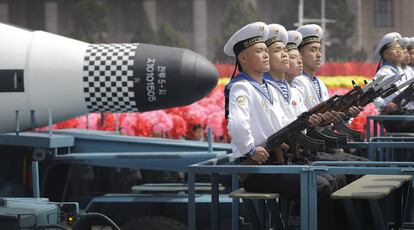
(294, 103)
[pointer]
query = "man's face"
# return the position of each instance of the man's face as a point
(295, 63)
(255, 58)
(279, 60)
(394, 54)
(311, 56)
(406, 57)
(411, 53)
(198, 134)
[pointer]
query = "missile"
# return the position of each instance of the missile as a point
(42, 71)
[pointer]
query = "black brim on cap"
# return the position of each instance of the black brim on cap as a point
(291, 46)
(270, 41)
(244, 44)
(308, 40)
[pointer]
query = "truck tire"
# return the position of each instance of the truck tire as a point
(154, 223)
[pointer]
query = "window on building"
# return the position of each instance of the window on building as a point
(383, 13)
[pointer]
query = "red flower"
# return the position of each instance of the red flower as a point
(179, 129)
(69, 124)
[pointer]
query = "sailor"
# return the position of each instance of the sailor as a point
(410, 49)
(390, 53)
(250, 116)
(295, 60)
(313, 90)
(291, 101)
(405, 43)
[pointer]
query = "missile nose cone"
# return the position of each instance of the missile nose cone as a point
(200, 76)
(206, 75)
(167, 77)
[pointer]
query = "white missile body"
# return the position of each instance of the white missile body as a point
(41, 71)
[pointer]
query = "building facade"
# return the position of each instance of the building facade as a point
(375, 18)
(199, 21)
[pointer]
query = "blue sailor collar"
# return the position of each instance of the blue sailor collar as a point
(393, 68)
(255, 84)
(314, 78)
(307, 75)
(276, 84)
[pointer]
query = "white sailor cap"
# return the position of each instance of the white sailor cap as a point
(277, 33)
(245, 37)
(310, 33)
(411, 45)
(405, 42)
(386, 41)
(294, 39)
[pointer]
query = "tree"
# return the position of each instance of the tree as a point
(360, 55)
(287, 12)
(341, 30)
(168, 36)
(89, 20)
(145, 35)
(237, 14)
(143, 32)
(337, 34)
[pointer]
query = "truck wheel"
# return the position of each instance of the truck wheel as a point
(154, 223)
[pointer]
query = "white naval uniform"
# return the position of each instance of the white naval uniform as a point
(291, 107)
(252, 117)
(306, 88)
(409, 72)
(309, 93)
(390, 71)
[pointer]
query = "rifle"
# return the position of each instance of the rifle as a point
(406, 95)
(380, 88)
(342, 104)
(376, 88)
(292, 133)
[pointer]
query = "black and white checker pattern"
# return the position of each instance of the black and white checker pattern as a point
(108, 78)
